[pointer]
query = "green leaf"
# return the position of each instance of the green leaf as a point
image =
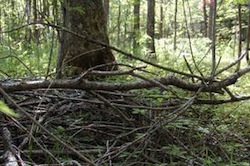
(60, 129)
(7, 111)
(139, 111)
(242, 1)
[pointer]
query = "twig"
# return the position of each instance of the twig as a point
(231, 65)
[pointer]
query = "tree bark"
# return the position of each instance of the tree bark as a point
(86, 18)
(248, 37)
(205, 18)
(119, 25)
(161, 21)
(35, 15)
(175, 24)
(28, 32)
(106, 9)
(151, 25)
(210, 20)
(136, 32)
(213, 4)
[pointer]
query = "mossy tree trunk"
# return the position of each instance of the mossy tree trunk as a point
(87, 18)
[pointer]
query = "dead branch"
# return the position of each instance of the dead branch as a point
(94, 85)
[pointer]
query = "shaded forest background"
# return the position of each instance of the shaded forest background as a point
(180, 96)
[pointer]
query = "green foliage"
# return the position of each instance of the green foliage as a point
(174, 150)
(26, 63)
(7, 111)
(241, 1)
(24, 52)
(139, 111)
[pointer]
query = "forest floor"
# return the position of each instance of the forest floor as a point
(99, 127)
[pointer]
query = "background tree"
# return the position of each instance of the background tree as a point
(210, 19)
(136, 32)
(204, 8)
(161, 23)
(213, 5)
(151, 25)
(175, 23)
(238, 34)
(119, 24)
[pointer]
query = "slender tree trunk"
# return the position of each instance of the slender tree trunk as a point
(61, 39)
(161, 21)
(151, 25)
(28, 32)
(125, 32)
(46, 8)
(175, 24)
(210, 20)
(118, 25)
(136, 31)
(35, 19)
(213, 4)
(239, 36)
(205, 33)
(1, 35)
(55, 13)
(248, 36)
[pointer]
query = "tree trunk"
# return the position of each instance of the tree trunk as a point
(213, 5)
(61, 39)
(210, 20)
(1, 34)
(106, 9)
(45, 8)
(239, 36)
(28, 32)
(205, 18)
(161, 21)
(248, 37)
(87, 18)
(118, 25)
(175, 24)
(136, 32)
(35, 15)
(151, 25)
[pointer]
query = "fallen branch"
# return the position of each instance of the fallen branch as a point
(94, 85)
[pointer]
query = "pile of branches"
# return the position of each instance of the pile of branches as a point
(78, 121)
(82, 127)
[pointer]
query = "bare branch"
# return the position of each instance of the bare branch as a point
(94, 85)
